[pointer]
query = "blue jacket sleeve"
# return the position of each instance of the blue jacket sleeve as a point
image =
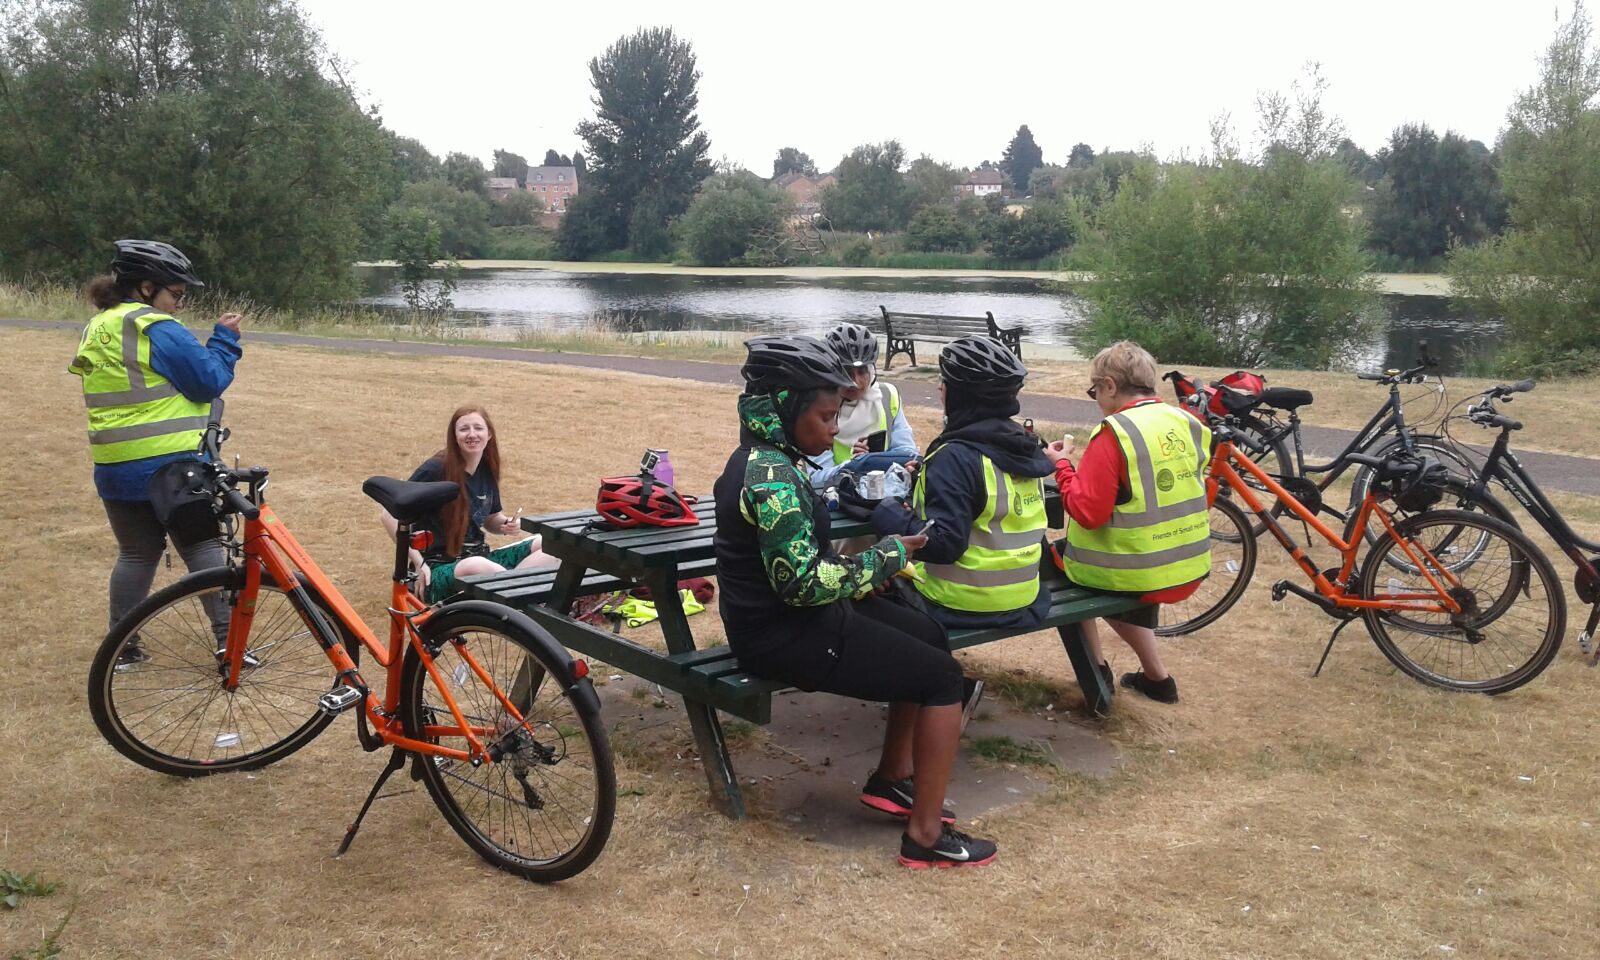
(901, 442)
(200, 373)
(822, 477)
(951, 497)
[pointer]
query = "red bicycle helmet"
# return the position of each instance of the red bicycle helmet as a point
(643, 501)
(1237, 392)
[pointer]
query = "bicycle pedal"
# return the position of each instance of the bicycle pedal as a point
(339, 699)
(1586, 643)
(1280, 590)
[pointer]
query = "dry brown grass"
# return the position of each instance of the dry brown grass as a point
(1268, 815)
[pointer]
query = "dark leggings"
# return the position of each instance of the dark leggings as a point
(141, 539)
(874, 649)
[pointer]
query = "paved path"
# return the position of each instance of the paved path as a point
(1555, 471)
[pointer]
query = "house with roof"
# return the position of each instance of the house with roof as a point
(554, 186)
(981, 183)
(804, 190)
(501, 187)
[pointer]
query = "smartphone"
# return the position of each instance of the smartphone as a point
(877, 442)
(924, 531)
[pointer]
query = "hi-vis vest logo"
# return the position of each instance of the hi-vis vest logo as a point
(1173, 444)
(1164, 480)
(1020, 500)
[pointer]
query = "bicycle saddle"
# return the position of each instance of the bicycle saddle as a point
(407, 501)
(1286, 398)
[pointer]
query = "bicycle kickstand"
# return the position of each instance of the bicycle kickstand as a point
(397, 759)
(1329, 648)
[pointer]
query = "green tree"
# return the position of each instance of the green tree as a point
(1082, 155)
(518, 209)
(416, 246)
(1543, 274)
(1021, 158)
(646, 151)
(467, 174)
(579, 165)
(553, 159)
(590, 226)
(941, 229)
(412, 161)
(736, 219)
(1435, 193)
(1042, 229)
(1361, 164)
(508, 164)
(1239, 261)
(791, 160)
(930, 182)
(216, 126)
(871, 193)
(462, 218)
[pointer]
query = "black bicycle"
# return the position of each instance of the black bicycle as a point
(1271, 421)
(1502, 467)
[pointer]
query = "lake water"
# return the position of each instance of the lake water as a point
(580, 301)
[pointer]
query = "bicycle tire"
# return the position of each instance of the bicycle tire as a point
(1499, 661)
(1232, 581)
(202, 729)
(513, 832)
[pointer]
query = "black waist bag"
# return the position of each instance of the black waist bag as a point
(185, 499)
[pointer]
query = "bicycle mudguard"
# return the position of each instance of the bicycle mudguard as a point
(581, 690)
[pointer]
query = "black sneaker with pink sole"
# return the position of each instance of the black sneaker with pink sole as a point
(952, 849)
(894, 797)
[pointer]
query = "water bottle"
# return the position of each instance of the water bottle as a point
(658, 464)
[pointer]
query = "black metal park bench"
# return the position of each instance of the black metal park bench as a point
(902, 330)
(595, 561)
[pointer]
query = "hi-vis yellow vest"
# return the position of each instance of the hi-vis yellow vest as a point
(134, 412)
(999, 571)
(1161, 537)
(891, 409)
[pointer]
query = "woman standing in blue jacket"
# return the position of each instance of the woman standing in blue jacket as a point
(148, 385)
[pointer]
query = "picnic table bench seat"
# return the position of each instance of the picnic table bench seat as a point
(596, 560)
(902, 330)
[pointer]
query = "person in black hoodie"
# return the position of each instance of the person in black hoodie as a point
(798, 612)
(982, 485)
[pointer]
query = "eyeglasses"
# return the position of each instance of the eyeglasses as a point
(179, 296)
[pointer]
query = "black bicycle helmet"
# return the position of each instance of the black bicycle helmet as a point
(982, 363)
(855, 344)
(775, 362)
(155, 261)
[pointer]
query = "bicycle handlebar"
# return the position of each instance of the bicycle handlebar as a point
(241, 503)
(1506, 389)
(1503, 422)
(1228, 433)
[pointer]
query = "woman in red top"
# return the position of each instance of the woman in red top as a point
(1120, 378)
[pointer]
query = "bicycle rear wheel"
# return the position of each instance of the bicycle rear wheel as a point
(169, 711)
(1233, 562)
(543, 809)
(1513, 608)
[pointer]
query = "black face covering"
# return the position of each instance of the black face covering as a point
(963, 405)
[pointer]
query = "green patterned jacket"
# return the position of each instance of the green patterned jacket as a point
(776, 499)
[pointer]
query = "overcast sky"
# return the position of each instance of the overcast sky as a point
(950, 80)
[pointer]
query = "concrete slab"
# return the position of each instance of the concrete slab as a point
(805, 769)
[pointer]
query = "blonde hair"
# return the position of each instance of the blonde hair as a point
(1129, 366)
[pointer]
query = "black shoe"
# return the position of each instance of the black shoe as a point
(952, 849)
(971, 693)
(894, 797)
(1108, 678)
(1164, 691)
(131, 655)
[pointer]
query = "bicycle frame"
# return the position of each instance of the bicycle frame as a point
(1503, 466)
(1389, 418)
(1223, 472)
(267, 545)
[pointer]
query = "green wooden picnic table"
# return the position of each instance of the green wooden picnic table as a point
(596, 560)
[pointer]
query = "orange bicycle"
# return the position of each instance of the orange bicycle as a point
(1453, 598)
(228, 669)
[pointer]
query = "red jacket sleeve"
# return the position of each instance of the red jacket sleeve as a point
(1089, 492)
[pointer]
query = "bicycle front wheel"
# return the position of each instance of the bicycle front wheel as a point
(1513, 609)
(1233, 562)
(542, 807)
(156, 687)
